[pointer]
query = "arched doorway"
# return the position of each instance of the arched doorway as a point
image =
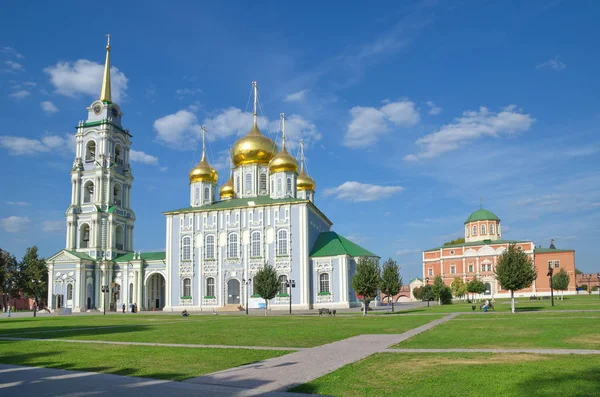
(155, 292)
(233, 292)
(488, 289)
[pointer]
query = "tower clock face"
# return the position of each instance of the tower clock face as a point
(115, 112)
(97, 108)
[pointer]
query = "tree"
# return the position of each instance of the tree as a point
(366, 280)
(391, 281)
(446, 295)
(475, 286)
(560, 282)
(438, 287)
(266, 284)
(577, 271)
(459, 288)
(33, 276)
(460, 240)
(515, 271)
(418, 293)
(9, 270)
(428, 293)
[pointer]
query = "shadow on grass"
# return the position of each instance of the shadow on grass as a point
(52, 332)
(584, 383)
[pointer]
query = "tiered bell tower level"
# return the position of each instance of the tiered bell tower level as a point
(99, 219)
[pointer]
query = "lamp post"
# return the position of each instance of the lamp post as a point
(590, 284)
(427, 283)
(105, 289)
(598, 285)
(292, 284)
(35, 284)
(550, 271)
(246, 284)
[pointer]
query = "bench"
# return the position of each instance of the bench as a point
(327, 311)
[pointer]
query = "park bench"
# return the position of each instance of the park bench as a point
(326, 311)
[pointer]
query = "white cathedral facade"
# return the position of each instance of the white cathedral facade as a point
(264, 213)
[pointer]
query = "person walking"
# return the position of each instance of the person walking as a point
(8, 311)
(123, 308)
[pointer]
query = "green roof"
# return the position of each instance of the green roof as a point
(482, 215)
(147, 256)
(480, 242)
(416, 278)
(546, 250)
(332, 244)
(101, 122)
(81, 255)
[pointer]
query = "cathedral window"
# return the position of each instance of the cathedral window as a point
(470, 268)
(210, 287)
(120, 238)
(118, 158)
(474, 231)
(187, 287)
(232, 249)
(279, 187)
(272, 186)
(483, 231)
(282, 242)
(248, 183)
(84, 236)
(186, 248)
(262, 181)
(206, 193)
(255, 246)
(69, 292)
(197, 194)
(288, 186)
(117, 195)
(90, 151)
(131, 293)
(209, 249)
(452, 269)
(238, 188)
(491, 228)
(88, 192)
(324, 283)
(283, 284)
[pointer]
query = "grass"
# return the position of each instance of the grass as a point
(281, 331)
(172, 363)
(448, 375)
(568, 330)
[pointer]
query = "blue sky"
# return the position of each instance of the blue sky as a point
(411, 112)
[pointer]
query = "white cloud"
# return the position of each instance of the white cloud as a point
(359, 192)
(14, 66)
(49, 107)
(85, 77)
(14, 224)
(142, 158)
(368, 124)
(12, 52)
(53, 226)
(181, 92)
(21, 94)
(296, 96)
(554, 64)
(19, 146)
(407, 251)
(17, 202)
(178, 129)
(472, 125)
(433, 110)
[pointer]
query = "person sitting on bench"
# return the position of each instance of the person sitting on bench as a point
(185, 313)
(486, 305)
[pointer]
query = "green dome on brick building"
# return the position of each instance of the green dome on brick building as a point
(482, 215)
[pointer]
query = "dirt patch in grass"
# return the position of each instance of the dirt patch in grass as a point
(591, 340)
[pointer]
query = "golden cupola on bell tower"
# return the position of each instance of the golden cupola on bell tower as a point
(282, 169)
(203, 179)
(305, 184)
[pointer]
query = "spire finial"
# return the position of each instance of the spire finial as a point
(230, 164)
(203, 128)
(282, 115)
(255, 87)
(481, 203)
(105, 94)
(301, 155)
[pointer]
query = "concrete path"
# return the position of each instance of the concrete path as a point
(532, 351)
(45, 382)
(282, 373)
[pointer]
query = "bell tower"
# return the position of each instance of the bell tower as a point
(99, 219)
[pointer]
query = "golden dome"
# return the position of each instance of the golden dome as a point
(283, 162)
(305, 182)
(203, 172)
(226, 190)
(253, 148)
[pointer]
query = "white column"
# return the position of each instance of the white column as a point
(50, 286)
(168, 264)
(140, 285)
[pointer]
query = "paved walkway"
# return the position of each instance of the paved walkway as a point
(532, 351)
(282, 373)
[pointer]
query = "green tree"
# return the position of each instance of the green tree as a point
(446, 295)
(515, 271)
(475, 286)
(33, 276)
(366, 280)
(583, 287)
(9, 271)
(560, 282)
(438, 287)
(577, 271)
(418, 293)
(459, 288)
(266, 284)
(428, 293)
(391, 281)
(460, 240)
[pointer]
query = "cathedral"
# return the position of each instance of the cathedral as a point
(265, 212)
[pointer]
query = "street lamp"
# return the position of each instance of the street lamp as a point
(292, 284)
(246, 283)
(105, 289)
(598, 285)
(550, 271)
(427, 283)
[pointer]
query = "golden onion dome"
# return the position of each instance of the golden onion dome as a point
(203, 172)
(283, 161)
(254, 148)
(226, 190)
(305, 182)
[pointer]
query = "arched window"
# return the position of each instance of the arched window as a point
(206, 193)
(187, 287)
(262, 180)
(324, 282)
(88, 192)
(84, 236)
(282, 284)
(279, 187)
(483, 231)
(288, 186)
(272, 186)
(282, 242)
(255, 246)
(474, 231)
(120, 237)
(69, 292)
(491, 228)
(209, 249)
(131, 293)
(238, 188)
(117, 195)
(232, 249)
(90, 151)
(186, 248)
(118, 158)
(210, 287)
(248, 183)
(196, 194)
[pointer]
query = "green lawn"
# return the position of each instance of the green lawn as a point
(173, 363)
(448, 375)
(283, 331)
(568, 330)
